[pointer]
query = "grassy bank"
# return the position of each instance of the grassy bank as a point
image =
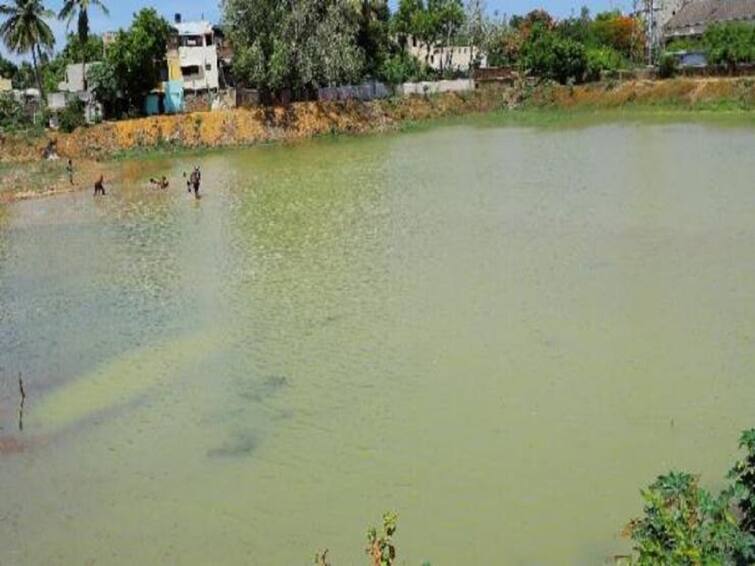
(23, 173)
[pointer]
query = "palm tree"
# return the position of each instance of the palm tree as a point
(26, 31)
(80, 8)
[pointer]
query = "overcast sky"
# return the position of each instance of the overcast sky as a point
(121, 11)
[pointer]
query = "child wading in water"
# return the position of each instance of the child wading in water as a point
(161, 183)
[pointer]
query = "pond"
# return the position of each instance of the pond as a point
(500, 332)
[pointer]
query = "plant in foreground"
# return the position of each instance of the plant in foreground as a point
(743, 475)
(380, 548)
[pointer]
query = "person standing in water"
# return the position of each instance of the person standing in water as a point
(99, 186)
(196, 181)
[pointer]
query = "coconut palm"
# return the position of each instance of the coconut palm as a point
(80, 10)
(26, 31)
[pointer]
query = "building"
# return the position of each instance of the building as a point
(75, 77)
(694, 17)
(193, 53)
(5, 85)
(452, 58)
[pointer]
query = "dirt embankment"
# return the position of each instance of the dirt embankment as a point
(681, 93)
(24, 174)
(246, 127)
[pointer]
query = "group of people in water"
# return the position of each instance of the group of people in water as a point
(193, 181)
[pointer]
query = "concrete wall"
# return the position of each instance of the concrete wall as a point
(366, 91)
(435, 87)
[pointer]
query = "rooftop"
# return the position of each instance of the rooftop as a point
(193, 28)
(699, 13)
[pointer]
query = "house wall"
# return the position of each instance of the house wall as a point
(206, 59)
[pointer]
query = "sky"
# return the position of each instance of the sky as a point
(121, 11)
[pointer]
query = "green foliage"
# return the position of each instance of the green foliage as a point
(72, 116)
(380, 547)
(25, 30)
(75, 51)
(402, 67)
(602, 59)
(545, 54)
(730, 43)
(373, 31)
(12, 114)
(79, 9)
(7, 69)
(299, 45)
(668, 66)
(685, 44)
(132, 63)
(684, 524)
(743, 475)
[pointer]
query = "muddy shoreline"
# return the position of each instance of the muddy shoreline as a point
(25, 174)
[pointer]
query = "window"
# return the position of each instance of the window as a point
(208, 39)
(191, 41)
(414, 42)
(190, 71)
(208, 66)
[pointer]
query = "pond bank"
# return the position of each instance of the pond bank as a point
(91, 147)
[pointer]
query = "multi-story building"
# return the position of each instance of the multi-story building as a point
(193, 53)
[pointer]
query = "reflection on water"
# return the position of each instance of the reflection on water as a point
(489, 330)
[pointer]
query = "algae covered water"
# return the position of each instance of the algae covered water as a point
(501, 333)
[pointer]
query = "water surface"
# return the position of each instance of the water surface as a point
(501, 333)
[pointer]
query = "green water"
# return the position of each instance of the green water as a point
(502, 333)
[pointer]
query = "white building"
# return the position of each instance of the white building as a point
(197, 55)
(454, 58)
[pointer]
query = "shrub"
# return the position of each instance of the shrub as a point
(380, 547)
(545, 54)
(402, 67)
(667, 67)
(730, 43)
(684, 524)
(600, 60)
(12, 114)
(743, 474)
(72, 116)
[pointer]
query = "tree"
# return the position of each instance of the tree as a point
(132, 62)
(80, 8)
(294, 44)
(625, 34)
(448, 18)
(545, 54)
(26, 31)
(730, 44)
(373, 33)
(477, 28)
(405, 19)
